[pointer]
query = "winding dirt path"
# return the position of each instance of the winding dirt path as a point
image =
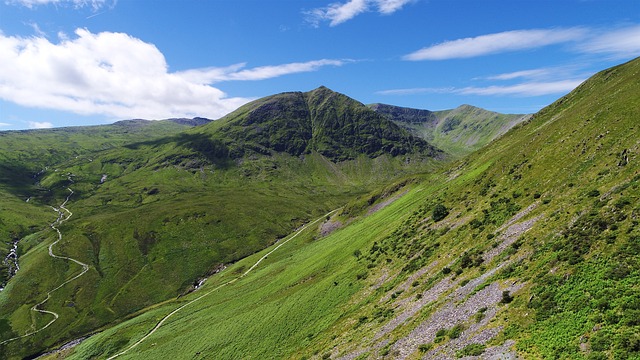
(162, 321)
(54, 225)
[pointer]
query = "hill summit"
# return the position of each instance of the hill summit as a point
(324, 121)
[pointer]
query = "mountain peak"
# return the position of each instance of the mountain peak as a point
(320, 120)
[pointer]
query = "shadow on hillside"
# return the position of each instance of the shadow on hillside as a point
(20, 181)
(213, 150)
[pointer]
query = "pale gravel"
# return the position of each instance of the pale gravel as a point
(449, 314)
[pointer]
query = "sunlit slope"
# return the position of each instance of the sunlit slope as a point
(25, 155)
(529, 247)
(458, 132)
(154, 217)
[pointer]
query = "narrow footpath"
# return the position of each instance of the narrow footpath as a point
(63, 215)
(164, 319)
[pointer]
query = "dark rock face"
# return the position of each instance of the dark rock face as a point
(406, 115)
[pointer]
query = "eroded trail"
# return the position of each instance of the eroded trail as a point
(63, 215)
(164, 319)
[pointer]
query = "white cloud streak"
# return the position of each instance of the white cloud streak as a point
(620, 43)
(496, 43)
(414, 91)
(527, 89)
(528, 74)
(237, 71)
(120, 76)
(94, 4)
(338, 13)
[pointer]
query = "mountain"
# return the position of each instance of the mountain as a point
(151, 216)
(529, 248)
(459, 131)
(323, 121)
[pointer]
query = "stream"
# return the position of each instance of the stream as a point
(11, 260)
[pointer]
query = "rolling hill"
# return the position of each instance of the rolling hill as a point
(529, 248)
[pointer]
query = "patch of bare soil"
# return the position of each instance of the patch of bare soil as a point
(330, 226)
(383, 204)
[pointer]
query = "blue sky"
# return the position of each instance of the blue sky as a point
(85, 62)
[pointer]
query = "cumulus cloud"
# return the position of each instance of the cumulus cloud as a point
(496, 43)
(237, 72)
(117, 75)
(338, 13)
(620, 43)
(40, 125)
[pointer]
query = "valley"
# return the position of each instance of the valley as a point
(343, 231)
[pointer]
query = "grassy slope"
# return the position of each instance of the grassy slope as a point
(571, 172)
(23, 154)
(171, 211)
(458, 132)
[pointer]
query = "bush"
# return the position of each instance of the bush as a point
(439, 212)
(471, 350)
(456, 331)
(593, 193)
(506, 297)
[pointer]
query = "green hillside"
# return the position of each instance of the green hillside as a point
(529, 247)
(459, 131)
(154, 217)
(25, 155)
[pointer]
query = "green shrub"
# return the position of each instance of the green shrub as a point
(471, 350)
(506, 297)
(455, 331)
(425, 347)
(439, 212)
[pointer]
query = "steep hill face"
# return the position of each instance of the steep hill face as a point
(527, 248)
(323, 121)
(459, 131)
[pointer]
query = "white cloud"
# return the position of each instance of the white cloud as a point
(496, 43)
(338, 13)
(391, 6)
(4, 124)
(40, 125)
(526, 89)
(414, 91)
(95, 4)
(621, 43)
(120, 76)
(237, 71)
(534, 73)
